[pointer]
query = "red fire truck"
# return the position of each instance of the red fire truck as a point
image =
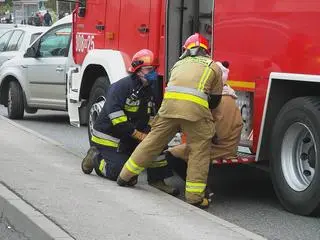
(274, 54)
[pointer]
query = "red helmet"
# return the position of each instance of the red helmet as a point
(142, 58)
(196, 40)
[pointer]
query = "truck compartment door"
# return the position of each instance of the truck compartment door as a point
(134, 26)
(89, 31)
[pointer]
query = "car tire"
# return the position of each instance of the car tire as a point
(295, 156)
(15, 101)
(96, 101)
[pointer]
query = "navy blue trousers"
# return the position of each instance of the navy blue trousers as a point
(111, 162)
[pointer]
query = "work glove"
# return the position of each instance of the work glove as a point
(138, 135)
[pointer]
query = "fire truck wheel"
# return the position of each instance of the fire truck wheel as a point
(15, 101)
(96, 102)
(295, 161)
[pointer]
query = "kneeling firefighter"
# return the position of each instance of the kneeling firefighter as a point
(123, 124)
(195, 86)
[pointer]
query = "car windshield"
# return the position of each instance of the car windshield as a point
(34, 36)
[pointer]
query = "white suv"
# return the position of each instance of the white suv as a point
(37, 79)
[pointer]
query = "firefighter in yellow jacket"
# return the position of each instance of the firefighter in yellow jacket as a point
(194, 87)
(228, 123)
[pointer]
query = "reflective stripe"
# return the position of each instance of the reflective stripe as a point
(131, 102)
(157, 164)
(102, 167)
(150, 106)
(195, 187)
(104, 142)
(116, 114)
(133, 167)
(105, 136)
(160, 161)
(118, 120)
(187, 90)
(129, 108)
(191, 45)
(118, 117)
(186, 97)
(204, 78)
(242, 84)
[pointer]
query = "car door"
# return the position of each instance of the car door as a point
(46, 73)
(13, 46)
(4, 39)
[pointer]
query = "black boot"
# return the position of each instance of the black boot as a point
(122, 183)
(204, 204)
(162, 186)
(87, 164)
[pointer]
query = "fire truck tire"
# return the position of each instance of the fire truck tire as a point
(15, 101)
(295, 156)
(96, 101)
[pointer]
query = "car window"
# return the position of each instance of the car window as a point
(2, 31)
(4, 40)
(56, 42)
(15, 41)
(34, 37)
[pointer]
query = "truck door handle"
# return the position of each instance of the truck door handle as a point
(59, 69)
(100, 27)
(143, 28)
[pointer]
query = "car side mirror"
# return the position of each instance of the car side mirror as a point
(31, 52)
(81, 11)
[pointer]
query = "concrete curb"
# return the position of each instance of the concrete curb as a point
(44, 138)
(27, 220)
(178, 202)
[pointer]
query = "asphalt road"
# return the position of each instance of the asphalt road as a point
(243, 195)
(8, 233)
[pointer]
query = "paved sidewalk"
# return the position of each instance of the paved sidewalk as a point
(49, 178)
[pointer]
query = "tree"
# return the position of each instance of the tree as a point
(7, 6)
(51, 4)
(63, 6)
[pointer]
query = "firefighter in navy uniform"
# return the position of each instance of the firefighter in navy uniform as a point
(194, 87)
(123, 124)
